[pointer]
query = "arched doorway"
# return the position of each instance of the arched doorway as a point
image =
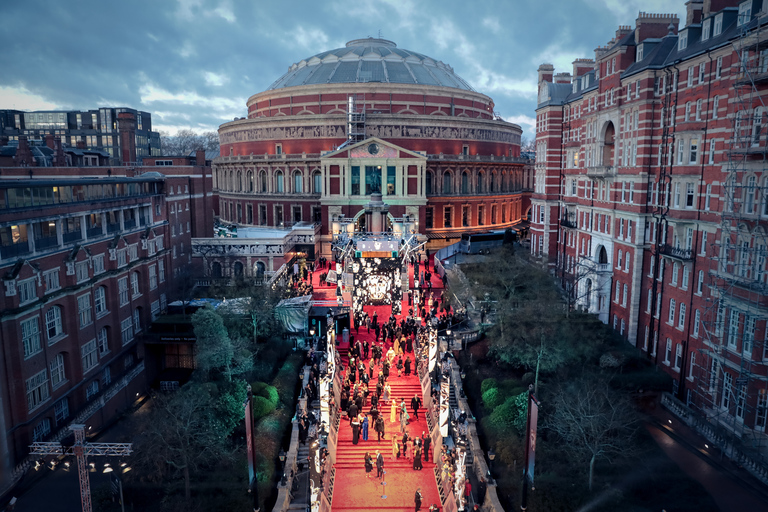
(216, 270)
(609, 142)
(602, 256)
(238, 269)
(259, 270)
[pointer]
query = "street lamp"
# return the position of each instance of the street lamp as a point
(450, 339)
(491, 456)
(281, 456)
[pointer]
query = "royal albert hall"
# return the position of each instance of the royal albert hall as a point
(370, 118)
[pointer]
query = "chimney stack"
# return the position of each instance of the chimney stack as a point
(693, 11)
(582, 67)
(49, 140)
(126, 126)
(200, 158)
(24, 156)
(546, 72)
(654, 26)
(59, 160)
(563, 78)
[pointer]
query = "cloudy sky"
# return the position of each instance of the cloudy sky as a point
(193, 63)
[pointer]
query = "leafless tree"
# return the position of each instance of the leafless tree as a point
(186, 141)
(594, 421)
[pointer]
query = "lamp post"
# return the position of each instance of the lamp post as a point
(491, 456)
(449, 338)
(281, 456)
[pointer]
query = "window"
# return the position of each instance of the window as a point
(30, 337)
(700, 283)
(745, 13)
(447, 213)
(696, 322)
(761, 413)
(102, 340)
(668, 352)
(88, 355)
(155, 310)
(61, 411)
(686, 276)
(279, 188)
(715, 106)
(671, 318)
(161, 270)
(52, 280)
(681, 317)
(126, 331)
(727, 385)
(682, 41)
(708, 196)
(741, 401)
(57, 371)
(53, 323)
(81, 271)
(750, 323)
(624, 296)
(152, 277)
(297, 183)
(37, 390)
(618, 293)
(317, 183)
(733, 329)
(705, 29)
(27, 291)
(92, 389)
(106, 377)
(702, 70)
(137, 320)
(122, 289)
(690, 77)
(84, 310)
(688, 111)
(675, 273)
(41, 430)
(717, 30)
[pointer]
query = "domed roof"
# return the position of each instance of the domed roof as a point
(370, 60)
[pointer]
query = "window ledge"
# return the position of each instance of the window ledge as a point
(60, 384)
(56, 339)
(101, 315)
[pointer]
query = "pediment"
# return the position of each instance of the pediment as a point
(373, 148)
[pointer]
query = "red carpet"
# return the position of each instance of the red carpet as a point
(353, 490)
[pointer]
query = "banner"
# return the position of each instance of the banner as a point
(445, 405)
(432, 350)
(533, 411)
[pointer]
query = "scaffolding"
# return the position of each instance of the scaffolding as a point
(731, 365)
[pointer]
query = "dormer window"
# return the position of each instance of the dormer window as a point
(682, 43)
(745, 12)
(705, 29)
(718, 29)
(639, 56)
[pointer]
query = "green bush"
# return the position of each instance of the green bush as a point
(488, 384)
(287, 378)
(262, 407)
(493, 398)
(267, 391)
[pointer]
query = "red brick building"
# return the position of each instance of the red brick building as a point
(650, 199)
(89, 256)
(371, 116)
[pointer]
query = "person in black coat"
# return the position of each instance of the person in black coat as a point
(425, 439)
(368, 465)
(407, 365)
(379, 464)
(417, 500)
(481, 488)
(352, 412)
(355, 430)
(415, 405)
(379, 427)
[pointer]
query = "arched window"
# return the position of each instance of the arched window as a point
(238, 269)
(428, 184)
(239, 182)
(135, 290)
(465, 182)
(250, 181)
(317, 182)
(279, 182)
(263, 181)
(231, 186)
(480, 182)
(447, 183)
(608, 145)
(53, 322)
(602, 256)
(492, 183)
(298, 185)
(216, 270)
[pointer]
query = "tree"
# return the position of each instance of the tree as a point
(595, 421)
(186, 141)
(528, 143)
(182, 433)
(215, 349)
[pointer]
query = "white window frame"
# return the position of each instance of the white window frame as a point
(30, 336)
(89, 356)
(37, 390)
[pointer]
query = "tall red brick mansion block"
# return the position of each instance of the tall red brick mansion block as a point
(650, 199)
(89, 256)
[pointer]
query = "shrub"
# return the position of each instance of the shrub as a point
(488, 384)
(493, 398)
(262, 407)
(267, 391)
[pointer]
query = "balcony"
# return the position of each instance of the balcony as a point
(94, 232)
(601, 171)
(46, 242)
(592, 266)
(568, 223)
(129, 224)
(14, 250)
(72, 236)
(676, 252)
(113, 228)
